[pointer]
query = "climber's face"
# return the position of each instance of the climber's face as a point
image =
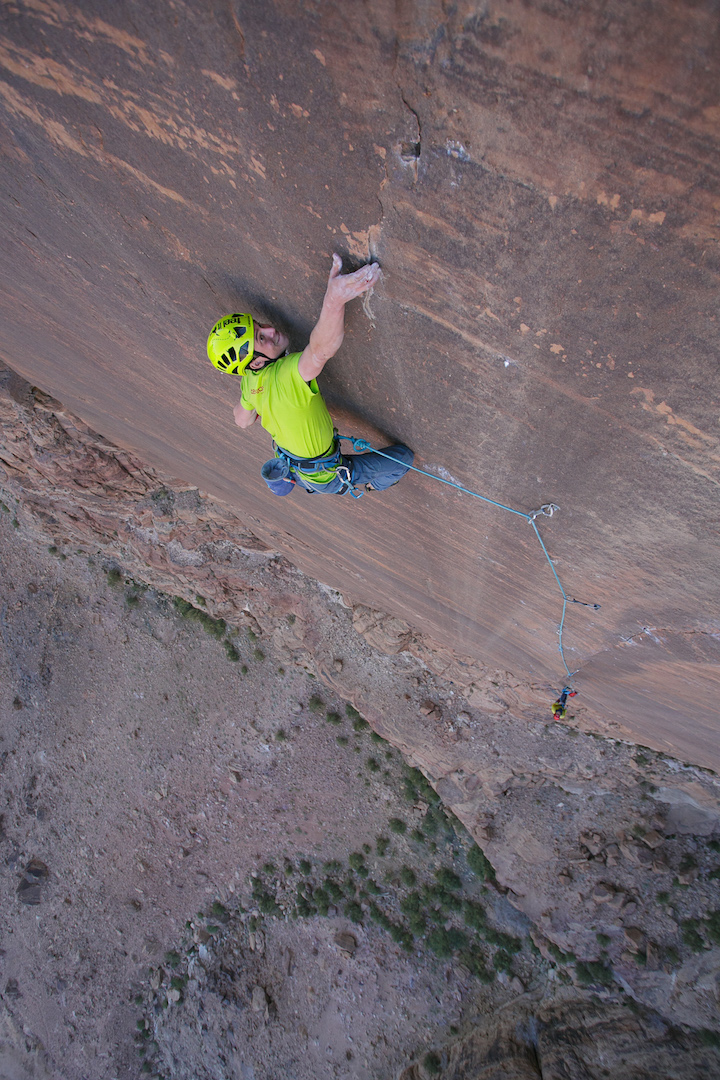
(270, 343)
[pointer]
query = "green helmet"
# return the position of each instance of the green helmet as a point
(231, 344)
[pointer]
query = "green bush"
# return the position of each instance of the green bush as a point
(593, 972)
(502, 961)
(417, 923)
(333, 718)
(401, 936)
(322, 900)
(381, 845)
(409, 792)
(408, 876)
(445, 942)
(449, 901)
(561, 957)
(354, 911)
(447, 878)
(360, 724)
(379, 916)
(411, 904)
(316, 704)
(230, 651)
(480, 864)
(305, 909)
(416, 783)
(431, 822)
(266, 902)
(475, 963)
(216, 627)
(372, 764)
(474, 915)
(432, 1064)
(333, 889)
(397, 826)
(505, 941)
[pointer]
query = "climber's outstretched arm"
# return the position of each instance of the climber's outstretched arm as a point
(328, 333)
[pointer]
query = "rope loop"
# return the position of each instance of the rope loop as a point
(546, 510)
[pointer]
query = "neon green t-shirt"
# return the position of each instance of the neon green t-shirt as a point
(291, 410)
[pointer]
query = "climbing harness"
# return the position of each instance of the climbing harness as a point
(547, 510)
(330, 461)
(560, 706)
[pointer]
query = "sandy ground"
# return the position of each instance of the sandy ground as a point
(146, 776)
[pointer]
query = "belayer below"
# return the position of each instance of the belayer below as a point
(281, 389)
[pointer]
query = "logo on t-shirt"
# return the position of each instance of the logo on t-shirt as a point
(257, 390)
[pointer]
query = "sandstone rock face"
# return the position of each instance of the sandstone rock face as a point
(574, 1040)
(539, 184)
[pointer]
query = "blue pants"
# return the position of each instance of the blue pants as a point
(371, 469)
(377, 471)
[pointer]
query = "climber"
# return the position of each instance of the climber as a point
(559, 708)
(281, 389)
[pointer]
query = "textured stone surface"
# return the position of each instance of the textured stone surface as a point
(560, 813)
(539, 181)
(575, 1040)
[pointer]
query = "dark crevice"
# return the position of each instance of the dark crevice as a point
(417, 146)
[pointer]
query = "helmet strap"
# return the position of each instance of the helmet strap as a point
(267, 360)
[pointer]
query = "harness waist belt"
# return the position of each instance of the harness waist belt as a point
(329, 458)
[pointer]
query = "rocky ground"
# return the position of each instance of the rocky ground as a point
(196, 875)
(149, 769)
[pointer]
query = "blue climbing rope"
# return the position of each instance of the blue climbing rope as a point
(547, 510)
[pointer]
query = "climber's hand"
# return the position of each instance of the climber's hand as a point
(344, 287)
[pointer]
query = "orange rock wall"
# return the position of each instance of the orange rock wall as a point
(539, 182)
